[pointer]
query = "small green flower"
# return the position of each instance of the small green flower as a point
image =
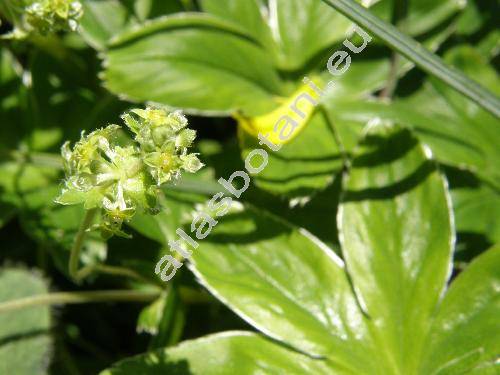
(122, 179)
(164, 141)
(47, 16)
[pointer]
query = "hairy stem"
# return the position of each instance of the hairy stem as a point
(74, 257)
(115, 271)
(63, 298)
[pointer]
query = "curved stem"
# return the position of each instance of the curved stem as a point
(188, 295)
(62, 298)
(74, 257)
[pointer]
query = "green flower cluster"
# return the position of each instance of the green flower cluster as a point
(47, 16)
(40, 16)
(119, 179)
(163, 142)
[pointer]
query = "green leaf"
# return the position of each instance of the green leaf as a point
(171, 325)
(224, 353)
(481, 126)
(304, 28)
(25, 344)
(375, 72)
(396, 234)
(19, 179)
(195, 62)
(422, 16)
(459, 132)
(103, 19)
(465, 337)
(472, 18)
(269, 273)
(414, 52)
(163, 320)
(66, 98)
(55, 227)
(176, 209)
(247, 14)
(145, 9)
(13, 102)
(476, 205)
(317, 213)
(69, 197)
(453, 140)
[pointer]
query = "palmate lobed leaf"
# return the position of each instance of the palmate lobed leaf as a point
(286, 283)
(397, 238)
(246, 275)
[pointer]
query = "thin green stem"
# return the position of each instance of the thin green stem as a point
(399, 13)
(63, 298)
(113, 270)
(74, 257)
(188, 295)
(392, 79)
(335, 134)
(415, 52)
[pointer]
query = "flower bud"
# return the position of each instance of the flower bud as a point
(185, 138)
(191, 163)
(45, 16)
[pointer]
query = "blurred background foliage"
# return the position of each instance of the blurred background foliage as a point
(217, 60)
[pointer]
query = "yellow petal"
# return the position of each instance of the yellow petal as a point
(293, 114)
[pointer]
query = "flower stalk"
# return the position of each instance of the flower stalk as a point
(74, 256)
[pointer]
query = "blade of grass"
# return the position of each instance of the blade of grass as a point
(415, 52)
